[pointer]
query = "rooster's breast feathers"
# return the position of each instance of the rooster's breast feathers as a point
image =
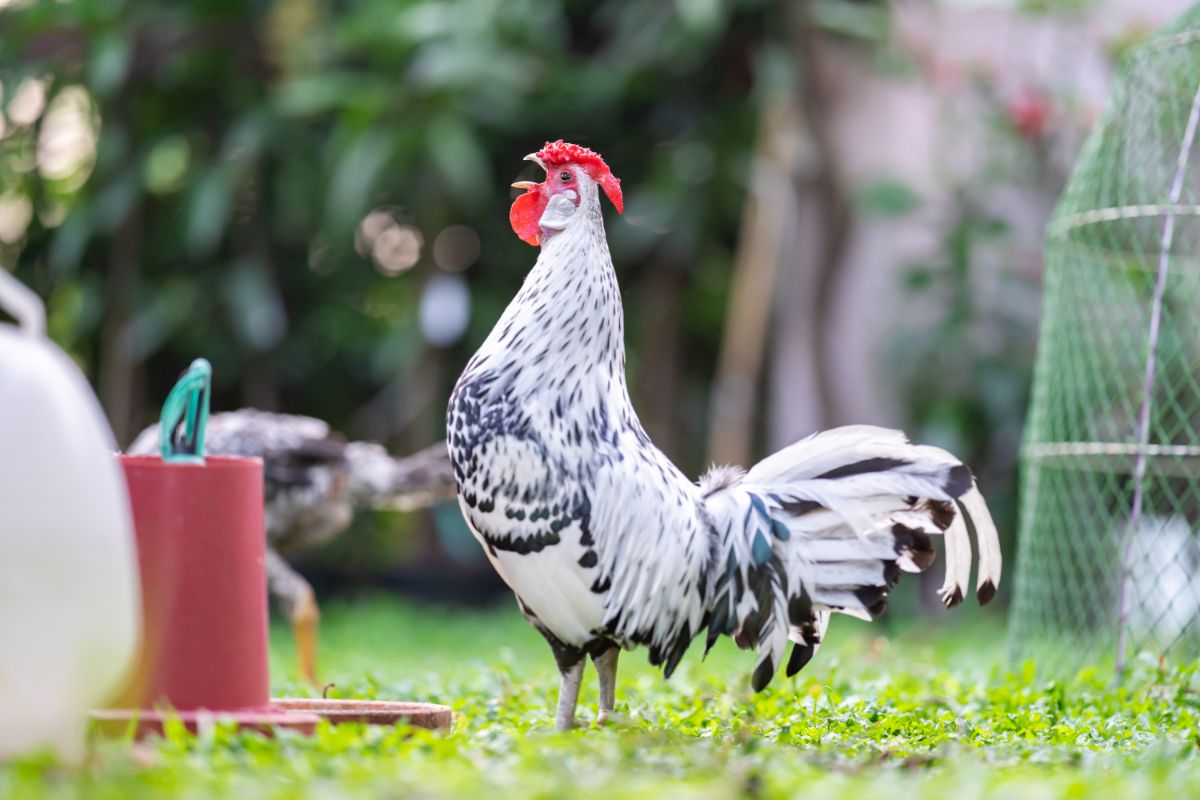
(593, 528)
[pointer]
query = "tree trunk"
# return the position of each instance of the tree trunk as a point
(659, 309)
(766, 224)
(804, 374)
(118, 367)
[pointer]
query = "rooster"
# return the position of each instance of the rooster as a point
(314, 483)
(608, 546)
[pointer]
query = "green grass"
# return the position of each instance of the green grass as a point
(902, 713)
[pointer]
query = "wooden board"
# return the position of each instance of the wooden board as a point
(373, 712)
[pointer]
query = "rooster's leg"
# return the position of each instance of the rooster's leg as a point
(606, 670)
(299, 604)
(568, 696)
(570, 662)
(305, 621)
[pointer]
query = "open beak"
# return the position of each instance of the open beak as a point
(530, 185)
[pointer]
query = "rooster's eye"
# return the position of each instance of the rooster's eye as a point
(564, 177)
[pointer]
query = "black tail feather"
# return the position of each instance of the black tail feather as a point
(801, 655)
(915, 544)
(762, 674)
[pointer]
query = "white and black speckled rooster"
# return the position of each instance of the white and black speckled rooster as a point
(607, 545)
(314, 482)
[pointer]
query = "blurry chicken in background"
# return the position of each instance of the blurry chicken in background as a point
(315, 482)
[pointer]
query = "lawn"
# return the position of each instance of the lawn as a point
(918, 712)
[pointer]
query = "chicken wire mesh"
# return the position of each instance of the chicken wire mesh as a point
(1109, 556)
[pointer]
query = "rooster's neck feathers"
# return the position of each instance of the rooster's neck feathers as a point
(564, 331)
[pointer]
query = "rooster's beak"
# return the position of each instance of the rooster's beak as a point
(529, 185)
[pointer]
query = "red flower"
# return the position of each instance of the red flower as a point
(1029, 115)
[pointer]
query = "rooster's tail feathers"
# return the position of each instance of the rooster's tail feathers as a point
(829, 524)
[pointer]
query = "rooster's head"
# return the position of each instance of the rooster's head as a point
(572, 175)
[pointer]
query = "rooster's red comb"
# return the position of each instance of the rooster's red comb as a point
(555, 154)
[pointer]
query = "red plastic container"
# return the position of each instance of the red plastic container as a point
(201, 551)
(199, 530)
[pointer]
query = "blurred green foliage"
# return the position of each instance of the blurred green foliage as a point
(240, 143)
(203, 178)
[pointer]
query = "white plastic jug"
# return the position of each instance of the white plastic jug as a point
(69, 592)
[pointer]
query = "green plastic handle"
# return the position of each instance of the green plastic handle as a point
(185, 415)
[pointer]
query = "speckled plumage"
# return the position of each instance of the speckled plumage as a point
(607, 544)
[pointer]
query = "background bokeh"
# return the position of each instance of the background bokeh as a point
(834, 210)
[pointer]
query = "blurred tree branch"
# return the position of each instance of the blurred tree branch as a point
(767, 219)
(822, 194)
